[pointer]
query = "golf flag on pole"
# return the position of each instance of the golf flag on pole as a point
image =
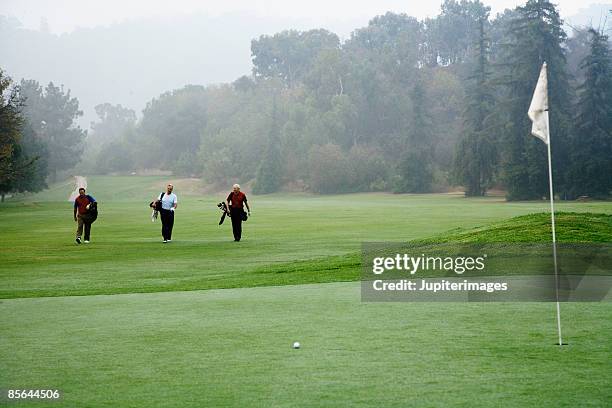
(538, 110)
(538, 113)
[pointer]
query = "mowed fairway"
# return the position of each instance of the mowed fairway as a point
(183, 346)
(40, 258)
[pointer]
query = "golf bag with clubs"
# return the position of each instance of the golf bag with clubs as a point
(226, 213)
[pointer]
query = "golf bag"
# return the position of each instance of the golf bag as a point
(92, 212)
(156, 206)
(223, 207)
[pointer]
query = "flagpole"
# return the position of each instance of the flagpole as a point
(554, 235)
(540, 128)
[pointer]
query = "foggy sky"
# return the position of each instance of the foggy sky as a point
(129, 51)
(337, 15)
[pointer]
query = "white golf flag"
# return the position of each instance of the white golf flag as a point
(538, 110)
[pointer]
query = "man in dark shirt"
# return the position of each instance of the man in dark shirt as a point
(236, 200)
(81, 207)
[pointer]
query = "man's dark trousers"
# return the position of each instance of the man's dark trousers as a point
(167, 219)
(84, 222)
(236, 215)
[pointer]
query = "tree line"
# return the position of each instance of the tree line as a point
(403, 105)
(38, 135)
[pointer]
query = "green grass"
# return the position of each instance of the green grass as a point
(290, 239)
(569, 227)
(231, 347)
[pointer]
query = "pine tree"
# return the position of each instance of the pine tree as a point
(536, 36)
(416, 166)
(475, 155)
(268, 178)
(52, 113)
(32, 163)
(591, 172)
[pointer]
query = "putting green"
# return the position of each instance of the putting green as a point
(233, 348)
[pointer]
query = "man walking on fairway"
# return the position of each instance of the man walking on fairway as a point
(81, 216)
(236, 200)
(168, 201)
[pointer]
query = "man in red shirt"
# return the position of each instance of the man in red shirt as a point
(236, 200)
(81, 208)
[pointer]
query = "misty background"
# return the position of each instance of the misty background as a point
(107, 52)
(426, 100)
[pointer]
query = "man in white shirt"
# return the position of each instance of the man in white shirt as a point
(169, 202)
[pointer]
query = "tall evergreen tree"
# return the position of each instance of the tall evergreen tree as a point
(52, 113)
(34, 155)
(269, 173)
(475, 154)
(536, 36)
(591, 172)
(416, 167)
